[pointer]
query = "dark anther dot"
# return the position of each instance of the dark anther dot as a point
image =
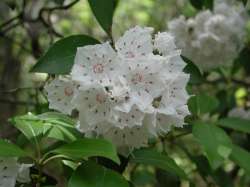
(85, 74)
(59, 99)
(143, 54)
(96, 127)
(124, 43)
(96, 111)
(110, 60)
(115, 132)
(123, 136)
(138, 46)
(146, 90)
(126, 120)
(131, 132)
(100, 81)
(119, 120)
(89, 105)
(95, 54)
(150, 82)
(137, 65)
(146, 67)
(88, 58)
(111, 69)
(132, 116)
(126, 98)
(86, 98)
(124, 76)
(102, 56)
(104, 113)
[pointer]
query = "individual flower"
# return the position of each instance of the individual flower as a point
(95, 64)
(60, 92)
(212, 38)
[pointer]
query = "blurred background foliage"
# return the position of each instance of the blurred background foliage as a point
(29, 27)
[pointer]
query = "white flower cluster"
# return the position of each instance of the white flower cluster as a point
(127, 93)
(11, 171)
(211, 39)
(239, 112)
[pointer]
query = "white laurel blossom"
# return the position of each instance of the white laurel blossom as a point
(126, 94)
(211, 39)
(11, 171)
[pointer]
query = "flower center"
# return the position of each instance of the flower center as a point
(137, 78)
(68, 91)
(98, 68)
(100, 98)
(130, 54)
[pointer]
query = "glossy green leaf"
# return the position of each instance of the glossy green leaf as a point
(241, 157)
(51, 124)
(215, 142)
(59, 59)
(86, 147)
(195, 74)
(90, 174)
(238, 124)
(202, 104)
(10, 150)
(198, 4)
(29, 125)
(154, 158)
(104, 11)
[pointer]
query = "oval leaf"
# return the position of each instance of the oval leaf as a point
(10, 150)
(196, 76)
(90, 174)
(104, 11)
(215, 142)
(238, 124)
(59, 59)
(162, 161)
(241, 157)
(87, 147)
(202, 104)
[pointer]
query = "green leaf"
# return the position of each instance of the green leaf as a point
(238, 124)
(104, 11)
(244, 2)
(90, 174)
(61, 127)
(215, 142)
(195, 74)
(162, 161)
(241, 157)
(202, 104)
(10, 150)
(87, 147)
(198, 4)
(59, 59)
(209, 4)
(51, 124)
(29, 125)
